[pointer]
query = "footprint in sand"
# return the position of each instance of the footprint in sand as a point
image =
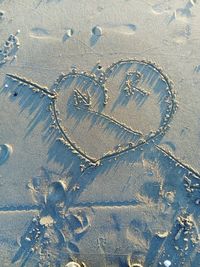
(160, 8)
(115, 28)
(39, 33)
(183, 34)
(5, 152)
(56, 192)
(97, 31)
(185, 13)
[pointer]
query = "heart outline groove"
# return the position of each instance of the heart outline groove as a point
(101, 82)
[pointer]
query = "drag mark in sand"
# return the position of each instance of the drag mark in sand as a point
(20, 208)
(105, 204)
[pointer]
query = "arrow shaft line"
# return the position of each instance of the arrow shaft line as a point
(184, 165)
(43, 89)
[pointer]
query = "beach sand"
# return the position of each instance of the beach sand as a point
(99, 133)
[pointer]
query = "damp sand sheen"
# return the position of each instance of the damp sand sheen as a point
(99, 133)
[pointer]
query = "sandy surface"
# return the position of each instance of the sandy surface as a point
(99, 133)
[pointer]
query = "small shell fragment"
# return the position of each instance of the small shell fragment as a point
(167, 263)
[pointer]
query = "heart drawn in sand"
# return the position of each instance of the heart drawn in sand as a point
(109, 112)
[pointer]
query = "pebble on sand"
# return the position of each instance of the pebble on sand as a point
(167, 263)
(69, 32)
(46, 220)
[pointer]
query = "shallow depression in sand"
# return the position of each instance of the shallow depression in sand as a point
(56, 193)
(40, 33)
(5, 151)
(122, 28)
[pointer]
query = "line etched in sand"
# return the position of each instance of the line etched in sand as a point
(81, 98)
(178, 162)
(20, 208)
(131, 83)
(105, 204)
(30, 83)
(67, 141)
(109, 118)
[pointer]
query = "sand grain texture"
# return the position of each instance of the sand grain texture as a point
(99, 133)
